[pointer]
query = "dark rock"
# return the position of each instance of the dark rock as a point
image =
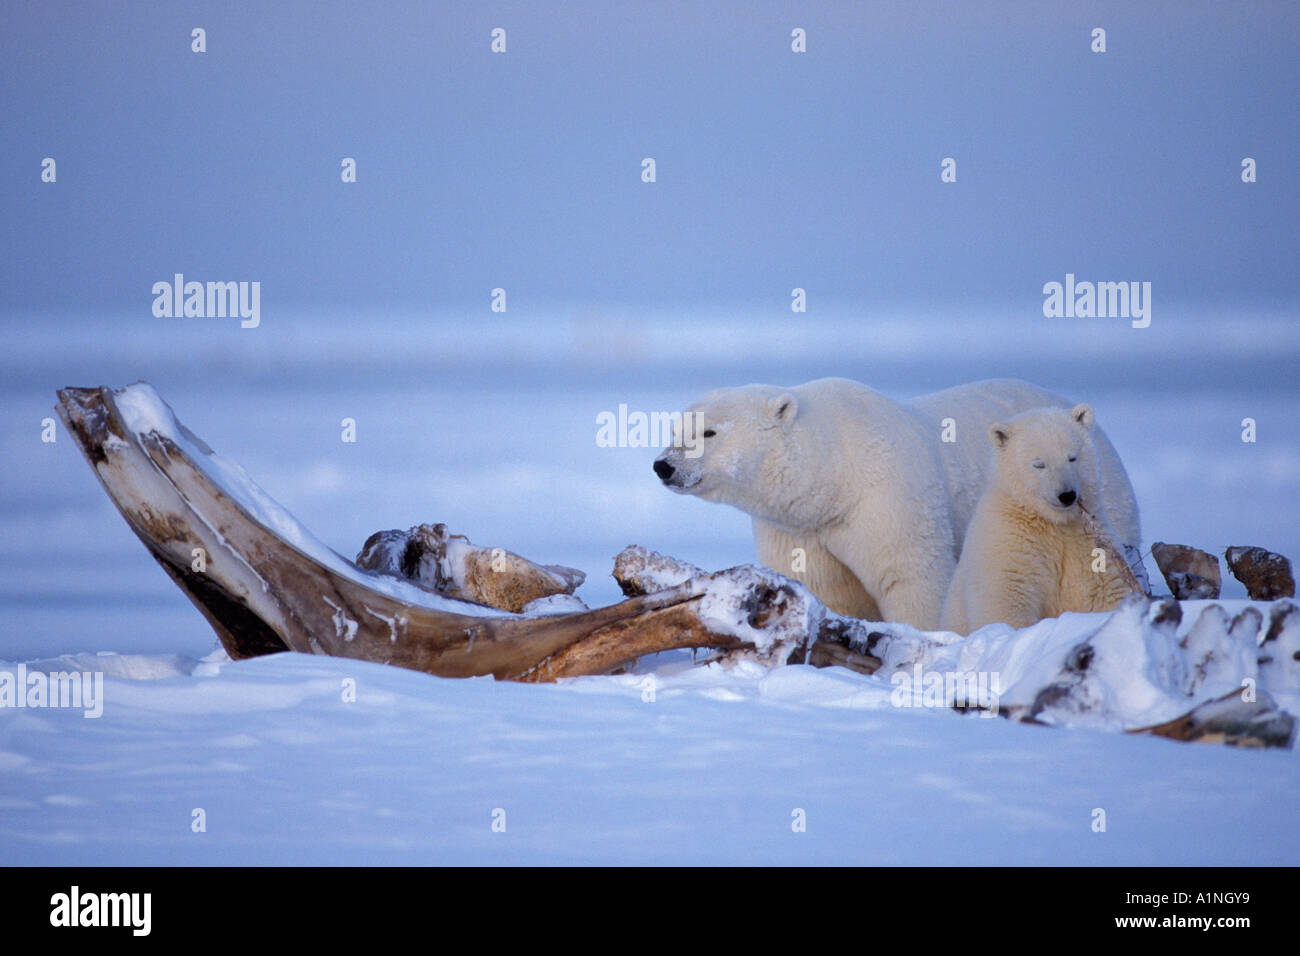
(1267, 575)
(1190, 573)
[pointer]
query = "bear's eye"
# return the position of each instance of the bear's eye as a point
(1040, 464)
(709, 433)
(1074, 458)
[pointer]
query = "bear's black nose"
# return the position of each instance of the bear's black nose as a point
(663, 469)
(1066, 498)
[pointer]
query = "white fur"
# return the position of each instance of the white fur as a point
(1029, 552)
(863, 484)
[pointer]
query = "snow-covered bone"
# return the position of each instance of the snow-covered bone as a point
(639, 570)
(450, 564)
(1231, 720)
(1279, 651)
(1221, 652)
(1134, 674)
(772, 614)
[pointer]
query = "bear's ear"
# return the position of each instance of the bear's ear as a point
(1083, 415)
(782, 407)
(998, 435)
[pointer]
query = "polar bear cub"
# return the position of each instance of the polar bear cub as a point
(1030, 551)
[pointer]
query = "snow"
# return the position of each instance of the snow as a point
(553, 604)
(679, 764)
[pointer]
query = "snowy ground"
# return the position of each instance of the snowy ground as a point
(491, 430)
(589, 772)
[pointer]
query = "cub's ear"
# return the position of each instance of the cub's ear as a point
(1083, 415)
(998, 435)
(782, 408)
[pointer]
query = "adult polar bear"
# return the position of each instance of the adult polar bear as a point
(861, 497)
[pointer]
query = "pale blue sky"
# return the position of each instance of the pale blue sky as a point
(522, 170)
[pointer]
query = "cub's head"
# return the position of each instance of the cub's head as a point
(1046, 462)
(730, 446)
